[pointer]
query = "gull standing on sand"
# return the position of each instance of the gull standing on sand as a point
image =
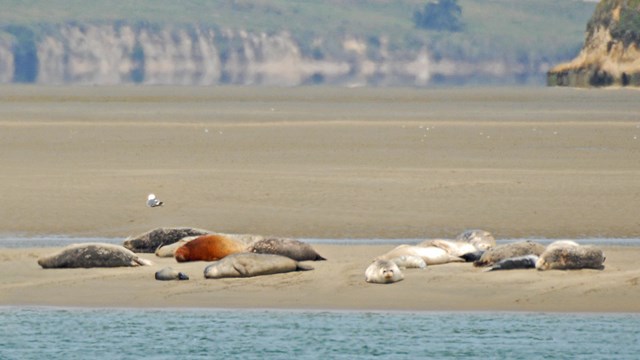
(152, 201)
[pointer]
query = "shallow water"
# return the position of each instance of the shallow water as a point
(55, 333)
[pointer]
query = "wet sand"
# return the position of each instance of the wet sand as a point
(323, 163)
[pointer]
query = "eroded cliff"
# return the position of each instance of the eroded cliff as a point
(120, 53)
(611, 53)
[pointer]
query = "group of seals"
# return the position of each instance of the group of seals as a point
(90, 255)
(559, 255)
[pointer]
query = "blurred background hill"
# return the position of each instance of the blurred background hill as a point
(288, 43)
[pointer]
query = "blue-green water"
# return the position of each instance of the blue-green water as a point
(54, 333)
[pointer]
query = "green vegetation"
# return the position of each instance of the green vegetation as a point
(443, 15)
(524, 31)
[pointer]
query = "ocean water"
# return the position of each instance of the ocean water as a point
(61, 333)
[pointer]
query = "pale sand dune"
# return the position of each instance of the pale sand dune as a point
(322, 163)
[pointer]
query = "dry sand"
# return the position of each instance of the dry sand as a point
(322, 163)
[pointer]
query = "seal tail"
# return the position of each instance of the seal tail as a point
(143, 262)
(319, 258)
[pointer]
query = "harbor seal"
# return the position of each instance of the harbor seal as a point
(170, 274)
(455, 248)
(430, 254)
(481, 239)
(252, 264)
(383, 272)
(510, 250)
(566, 256)
(170, 249)
(208, 248)
(151, 240)
(91, 255)
(410, 262)
(518, 262)
(294, 249)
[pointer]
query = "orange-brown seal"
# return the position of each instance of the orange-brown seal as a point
(208, 248)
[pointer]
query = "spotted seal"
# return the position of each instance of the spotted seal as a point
(510, 250)
(481, 239)
(151, 240)
(252, 264)
(294, 249)
(570, 256)
(91, 255)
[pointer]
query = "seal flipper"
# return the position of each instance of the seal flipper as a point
(472, 256)
(303, 267)
(183, 276)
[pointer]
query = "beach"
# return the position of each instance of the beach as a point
(322, 163)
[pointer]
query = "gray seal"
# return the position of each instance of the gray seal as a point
(91, 255)
(510, 250)
(169, 273)
(251, 264)
(151, 240)
(383, 272)
(567, 256)
(294, 249)
(518, 262)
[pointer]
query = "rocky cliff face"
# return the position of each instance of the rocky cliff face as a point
(108, 54)
(611, 54)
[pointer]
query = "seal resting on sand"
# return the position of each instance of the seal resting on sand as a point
(294, 249)
(481, 239)
(567, 256)
(170, 274)
(409, 262)
(91, 255)
(251, 264)
(151, 240)
(457, 248)
(511, 250)
(383, 272)
(430, 254)
(170, 250)
(518, 262)
(208, 248)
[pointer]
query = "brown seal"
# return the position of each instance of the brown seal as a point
(208, 248)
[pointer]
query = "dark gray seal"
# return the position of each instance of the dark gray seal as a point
(518, 262)
(91, 255)
(510, 250)
(251, 264)
(567, 256)
(169, 273)
(294, 249)
(151, 240)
